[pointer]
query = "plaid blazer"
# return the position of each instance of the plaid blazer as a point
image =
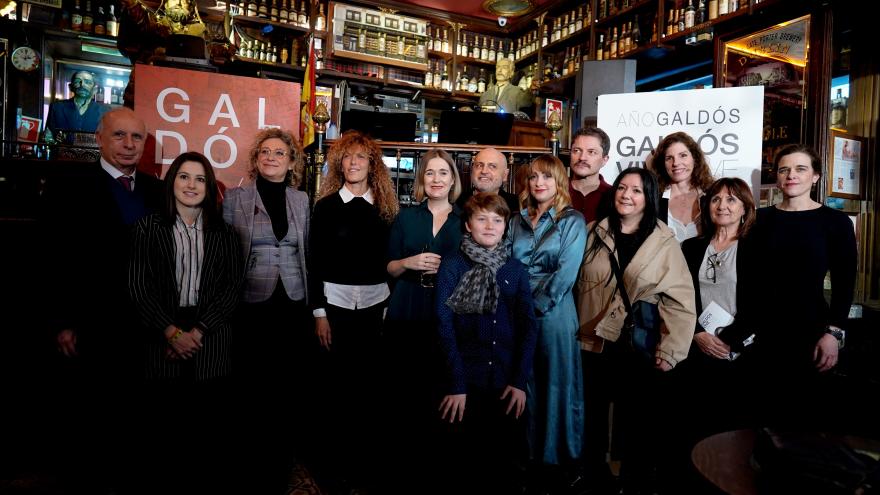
(239, 209)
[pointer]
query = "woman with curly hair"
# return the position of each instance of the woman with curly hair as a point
(350, 229)
(271, 218)
(682, 174)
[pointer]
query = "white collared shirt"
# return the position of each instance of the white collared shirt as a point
(116, 173)
(353, 296)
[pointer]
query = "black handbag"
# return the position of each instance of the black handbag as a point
(641, 328)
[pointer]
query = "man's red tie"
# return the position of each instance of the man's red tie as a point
(126, 182)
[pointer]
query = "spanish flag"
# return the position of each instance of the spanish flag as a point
(307, 127)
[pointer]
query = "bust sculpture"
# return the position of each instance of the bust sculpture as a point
(502, 95)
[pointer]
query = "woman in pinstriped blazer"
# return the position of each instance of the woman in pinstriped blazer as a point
(185, 276)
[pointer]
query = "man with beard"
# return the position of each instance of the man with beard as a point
(79, 113)
(589, 153)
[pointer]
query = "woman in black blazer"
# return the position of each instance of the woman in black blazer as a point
(185, 278)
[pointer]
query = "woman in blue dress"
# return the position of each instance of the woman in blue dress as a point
(549, 237)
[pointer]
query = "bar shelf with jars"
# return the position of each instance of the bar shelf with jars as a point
(78, 17)
(692, 22)
(626, 37)
(571, 25)
(378, 37)
(609, 10)
(479, 49)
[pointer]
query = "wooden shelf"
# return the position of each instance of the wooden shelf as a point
(529, 57)
(474, 61)
(296, 68)
(557, 86)
(443, 55)
(266, 22)
(375, 59)
(467, 94)
(345, 75)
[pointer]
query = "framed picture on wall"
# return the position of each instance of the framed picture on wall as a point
(845, 166)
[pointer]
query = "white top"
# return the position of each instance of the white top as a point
(682, 232)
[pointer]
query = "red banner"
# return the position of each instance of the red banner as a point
(214, 114)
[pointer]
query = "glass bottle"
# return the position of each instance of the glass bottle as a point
(88, 20)
(283, 13)
(445, 44)
(491, 50)
(701, 13)
(321, 20)
(475, 48)
(421, 52)
(273, 12)
(301, 17)
(636, 34)
(579, 23)
(429, 76)
(614, 41)
(252, 8)
(362, 40)
(481, 82)
(689, 15)
(484, 50)
(112, 25)
(713, 10)
(722, 7)
(472, 83)
(263, 9)
(601, 47)
(437, 76)
(571, 24)
(100, 21)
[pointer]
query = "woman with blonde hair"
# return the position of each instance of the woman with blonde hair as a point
(549, 236)
(421, 237)
(349, 240)
(271, 217)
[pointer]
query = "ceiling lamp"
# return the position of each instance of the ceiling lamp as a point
(508, 8)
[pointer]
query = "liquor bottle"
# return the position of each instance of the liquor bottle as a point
(429, 43)
(636, 34)
(588, 20)
(435, 82)
(112, 26)
(484, 50)
(381, 44)
(722, 7)
(252, 8)
(273, 12)
(579, 23)
(491, 50)
(680, 25)
(600, 48)
(606, 50)
(602, 10)
(429, 76)
(518, 51)
(571, 24)
(614, 42)
(624, 44)
(400, 46)
(284, 55)
(64, 18)
(545, 39)
(301, 18)
(472, 84)
(114, 96)
(713, 10)
(274, 54)
(475, 48)
(670, 23)
(88, 21)
(701, 13)
(99, 94)
(100, 25)
(461, 82)
(250, 49)
(362, 40)
(569, 65)
(481, 82)
(500, 55)
(444, 45)
(556, 31)
(321, 20)
(689, 15)
(577, 60)
(732, 6)
(283, 14)
(421, 52)
(262, 9)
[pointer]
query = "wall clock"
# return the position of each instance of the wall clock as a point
(25, 59)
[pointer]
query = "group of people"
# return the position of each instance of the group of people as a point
(473, 343)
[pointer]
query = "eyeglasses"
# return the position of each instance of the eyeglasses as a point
(712, 262)
(276, 154)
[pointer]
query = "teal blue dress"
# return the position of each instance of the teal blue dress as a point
(555, 397)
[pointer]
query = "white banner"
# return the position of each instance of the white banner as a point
(726, 122)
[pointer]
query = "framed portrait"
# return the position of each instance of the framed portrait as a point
(845, 166)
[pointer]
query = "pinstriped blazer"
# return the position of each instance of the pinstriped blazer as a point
(154, 291)
(239, 206)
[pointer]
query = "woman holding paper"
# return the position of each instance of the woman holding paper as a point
(722, 263)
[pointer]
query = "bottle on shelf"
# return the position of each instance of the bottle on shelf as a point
(63, 20)
(301, 18)
(284, 55)
(112, 26)
(88, 20)
(250, 49)
(401, 47)
(484, 50)
(421, 52)
(500, 55)
(481, 82)
(556, 31)
(671, 22)
(362, 40)
(273, 10)
(437, 75)
(100, 25)
(491, 50)
(577, 59)
(429, 75)
(475, 48)
(545, 40)
(472, 83)
(579, 22)
(722, 7)
(429, 43)
(600, 47)
(636, 34)
(614, 43)
(681, 24)
(445, 44)
(99, 94)
(380, 44)
(701, 13)
(625, 42)
(689, 15)
(252, 8)
(263, 9)
(321, 20)
(713, 9)
(571, 23)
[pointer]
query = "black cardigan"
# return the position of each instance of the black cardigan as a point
(744, 323)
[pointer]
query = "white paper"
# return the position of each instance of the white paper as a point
(714, 317)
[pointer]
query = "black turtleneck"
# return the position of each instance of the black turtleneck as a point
(274, 196)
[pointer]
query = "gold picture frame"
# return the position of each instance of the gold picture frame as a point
(846, 166)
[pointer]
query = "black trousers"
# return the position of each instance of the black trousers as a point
(275, 349)
(351, 395)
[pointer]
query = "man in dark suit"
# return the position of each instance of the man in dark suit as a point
(88, 216)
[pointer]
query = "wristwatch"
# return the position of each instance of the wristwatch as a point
(838, 334)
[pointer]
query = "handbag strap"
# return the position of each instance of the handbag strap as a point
(619, 276)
